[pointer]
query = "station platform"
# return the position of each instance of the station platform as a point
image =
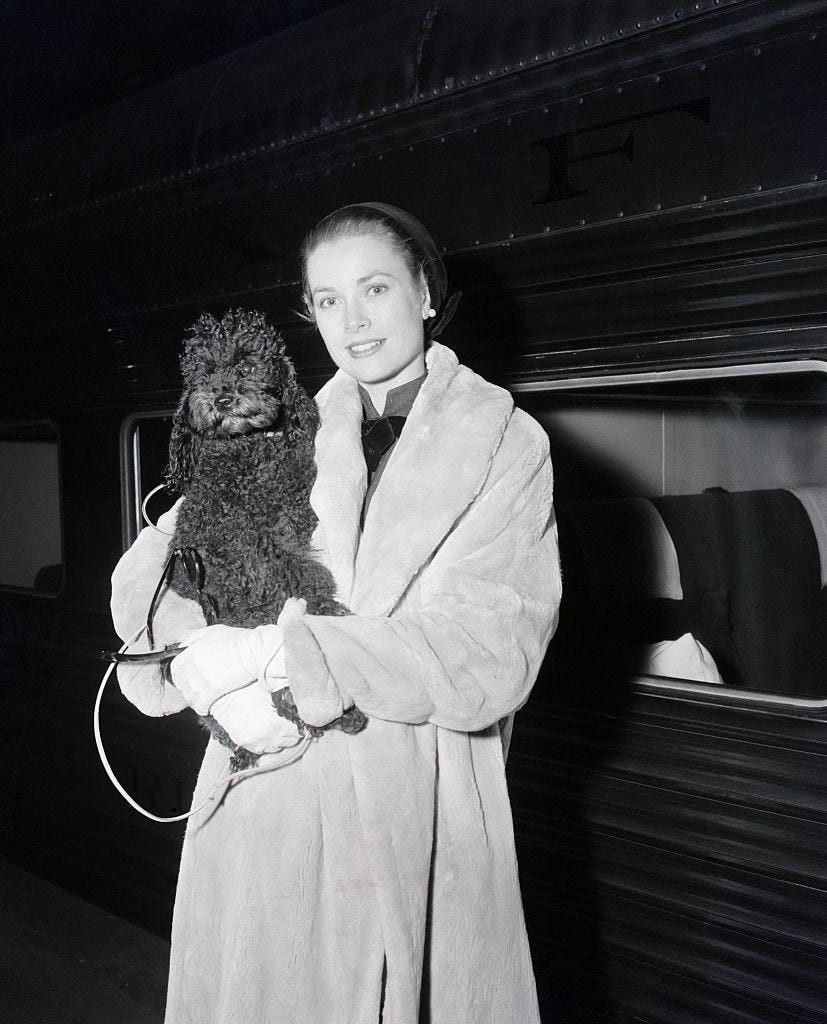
(66, 961)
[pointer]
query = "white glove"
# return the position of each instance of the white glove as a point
(221, 659)
(251, 720)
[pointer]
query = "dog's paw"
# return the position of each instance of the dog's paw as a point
(241, 757)
(353, 720)
(286, 708)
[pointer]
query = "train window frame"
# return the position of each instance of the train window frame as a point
(132, 496)
(662, 686)
(35, 428)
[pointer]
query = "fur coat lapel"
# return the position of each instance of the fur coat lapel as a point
(435, 471)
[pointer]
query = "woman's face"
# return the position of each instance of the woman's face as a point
(369, 309)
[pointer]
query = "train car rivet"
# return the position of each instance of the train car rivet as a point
(703, 197)
(603, 38)
(655, 78)
(547, 228)
(570, 47)
(620, 213)
(658, 206)
(545, 110)
(581, 222)
(758, 188)
(813, 177)
(618, 88)
(580, 99)
(757, 51)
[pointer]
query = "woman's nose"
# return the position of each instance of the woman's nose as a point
(356, 321)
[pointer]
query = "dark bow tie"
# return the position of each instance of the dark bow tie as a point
(378, 436)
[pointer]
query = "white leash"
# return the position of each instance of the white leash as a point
(145, 514)
(292, 754)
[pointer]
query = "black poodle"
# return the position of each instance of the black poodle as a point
(241, 454)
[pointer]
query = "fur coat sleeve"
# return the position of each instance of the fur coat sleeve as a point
(133, 583)
(459, 641)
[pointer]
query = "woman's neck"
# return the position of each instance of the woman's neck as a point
(378, 391)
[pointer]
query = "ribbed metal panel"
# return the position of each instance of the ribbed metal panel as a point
(676, 854)
(322, 76)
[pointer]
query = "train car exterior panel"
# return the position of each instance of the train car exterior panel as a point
(621, 189)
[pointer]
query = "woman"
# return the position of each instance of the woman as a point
(375, 877)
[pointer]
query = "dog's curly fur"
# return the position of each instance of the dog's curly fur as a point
(241, 454)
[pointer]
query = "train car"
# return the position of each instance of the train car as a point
(632, 197)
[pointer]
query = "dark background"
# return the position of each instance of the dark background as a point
(60, 59)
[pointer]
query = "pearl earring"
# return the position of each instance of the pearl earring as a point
(431, 312)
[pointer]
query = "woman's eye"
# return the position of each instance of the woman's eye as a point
(327, 302)
(377, 289)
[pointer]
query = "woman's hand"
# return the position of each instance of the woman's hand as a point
(252, 722)
(219, 660)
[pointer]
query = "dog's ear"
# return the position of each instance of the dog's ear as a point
(300, 417)
(184, 449)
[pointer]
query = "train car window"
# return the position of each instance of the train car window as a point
(31, 527)
(692, 512)
(144, 456)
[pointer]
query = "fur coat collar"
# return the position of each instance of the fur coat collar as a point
(440, 463)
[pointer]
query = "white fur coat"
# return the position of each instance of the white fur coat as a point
(383, 860)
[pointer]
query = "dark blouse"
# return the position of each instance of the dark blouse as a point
(398, 402)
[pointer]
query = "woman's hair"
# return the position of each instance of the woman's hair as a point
(408, 237)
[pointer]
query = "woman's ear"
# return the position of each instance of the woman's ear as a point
(426, 296)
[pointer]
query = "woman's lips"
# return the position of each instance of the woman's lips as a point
(365, 348)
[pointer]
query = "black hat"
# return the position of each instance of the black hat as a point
(417, 236)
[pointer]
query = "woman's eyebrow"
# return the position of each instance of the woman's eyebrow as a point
(374, 273)
(359, 281)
